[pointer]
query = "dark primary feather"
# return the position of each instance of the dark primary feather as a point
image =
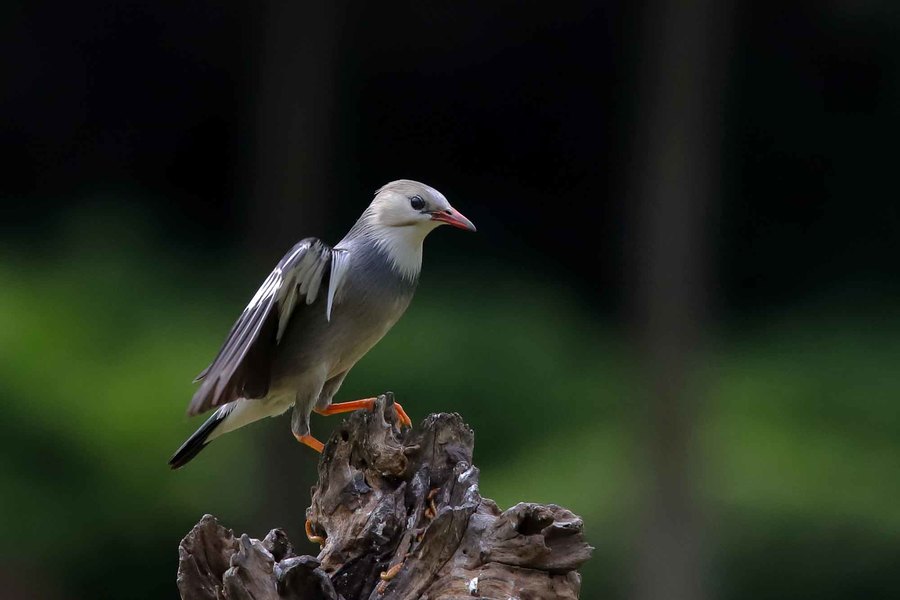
(197, 442)
(241, 368)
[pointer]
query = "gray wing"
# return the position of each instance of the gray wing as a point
(241, 368)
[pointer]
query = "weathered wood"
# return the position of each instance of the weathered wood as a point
(402, 518)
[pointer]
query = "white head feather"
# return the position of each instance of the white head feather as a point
(397, 221)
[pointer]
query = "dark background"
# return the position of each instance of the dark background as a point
(679, 316)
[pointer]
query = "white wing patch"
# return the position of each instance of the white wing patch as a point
(287, 306)
(300, 274)
(269, 287)
(314, 280)
(301, 279)
(339, 264)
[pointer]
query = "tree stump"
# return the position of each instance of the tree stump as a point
(401, 518)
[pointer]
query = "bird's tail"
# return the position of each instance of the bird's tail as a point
(198, 440)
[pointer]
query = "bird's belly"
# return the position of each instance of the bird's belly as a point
(314, 350)
(347, 355)
(353, 337)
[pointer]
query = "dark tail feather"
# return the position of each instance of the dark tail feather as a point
(197, 441)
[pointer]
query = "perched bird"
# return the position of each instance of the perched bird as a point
(316, 315)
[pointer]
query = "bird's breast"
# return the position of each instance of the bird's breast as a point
(369, 307)
(372, 298)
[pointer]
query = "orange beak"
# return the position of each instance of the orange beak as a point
(453, 217)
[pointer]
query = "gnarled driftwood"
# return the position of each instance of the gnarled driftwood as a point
(402, 518)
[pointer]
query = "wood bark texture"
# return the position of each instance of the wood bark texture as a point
(402, 518)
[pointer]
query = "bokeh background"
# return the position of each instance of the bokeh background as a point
(679, 317)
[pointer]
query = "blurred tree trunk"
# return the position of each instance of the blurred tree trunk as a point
(290, 176)
(675, 182)
(293, 130)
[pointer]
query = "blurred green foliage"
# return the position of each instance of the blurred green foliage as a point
(100, 338)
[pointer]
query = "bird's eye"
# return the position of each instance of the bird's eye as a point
(417, 203)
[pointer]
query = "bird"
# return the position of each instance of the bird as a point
(319, 311)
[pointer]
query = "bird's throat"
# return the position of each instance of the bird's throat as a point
(403, 248)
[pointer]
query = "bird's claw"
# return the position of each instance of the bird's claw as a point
(311, 536)
(392, 572)
(431, 509)
(401, 414)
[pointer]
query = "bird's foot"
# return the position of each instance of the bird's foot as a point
(431, 509)
(401, 414)
(386, 576)
(311, 536)
(311, 442)
(392, 572)
(367, 404)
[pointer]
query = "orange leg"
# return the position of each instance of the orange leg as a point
(404, 418)
(311, 442)
(367, 404)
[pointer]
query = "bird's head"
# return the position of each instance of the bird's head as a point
(409, 204)
(402, 213)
